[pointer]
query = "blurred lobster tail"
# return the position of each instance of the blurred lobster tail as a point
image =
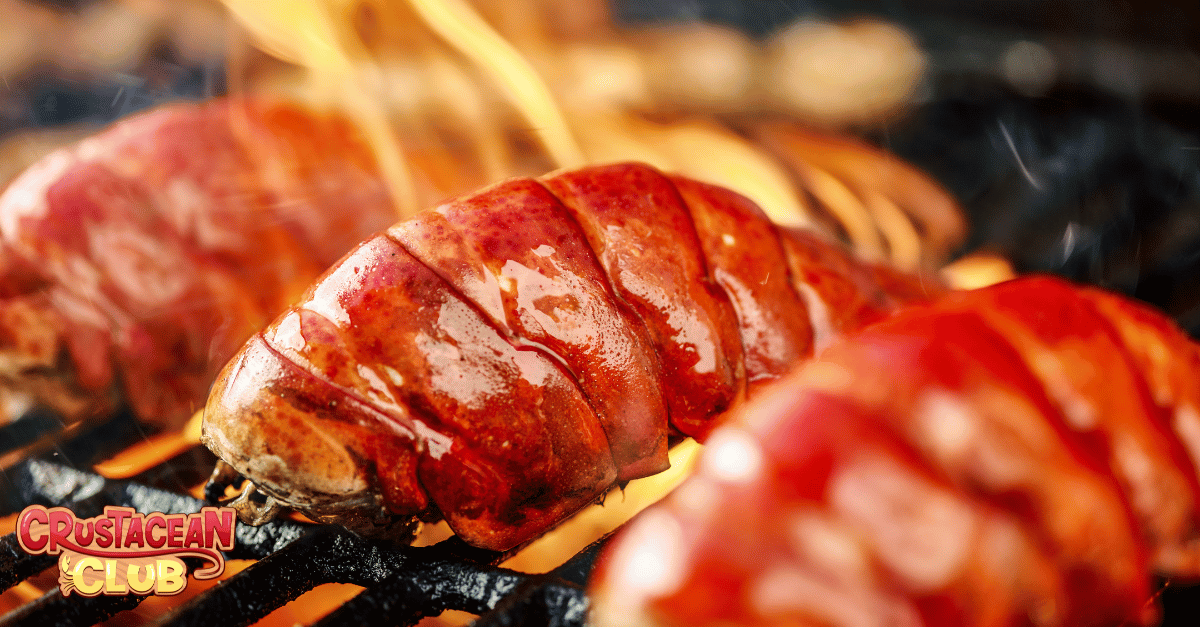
(918, 223)
(1020, 454)
(131, 267)
(543, 339)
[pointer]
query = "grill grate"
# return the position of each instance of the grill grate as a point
(402, 583)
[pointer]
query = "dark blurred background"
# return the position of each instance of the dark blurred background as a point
(1069, 130)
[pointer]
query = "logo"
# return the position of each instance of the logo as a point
(124, 552)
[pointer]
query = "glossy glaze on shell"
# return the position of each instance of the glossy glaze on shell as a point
(1024, 454)
(503, 359)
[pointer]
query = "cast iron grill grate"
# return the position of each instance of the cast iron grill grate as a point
(402, 584)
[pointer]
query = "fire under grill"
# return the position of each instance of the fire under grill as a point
(404, 584)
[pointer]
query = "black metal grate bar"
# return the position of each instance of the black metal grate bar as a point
(426, 590)
(55, 610)
(577, 569)
(17, 565)
(50, 484)
(404, 583)
(264, 586)
(540, 602)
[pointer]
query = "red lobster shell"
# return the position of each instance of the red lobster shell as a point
(1024, 454)
(134, 264)
(504, 359)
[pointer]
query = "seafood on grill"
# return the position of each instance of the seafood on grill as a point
(135, 263)
(504, 359)
(1021, 454)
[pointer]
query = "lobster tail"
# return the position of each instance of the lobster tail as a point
(131, 270)
(535, 342)
(1035, 464)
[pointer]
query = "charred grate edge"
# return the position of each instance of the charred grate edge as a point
(403, 584)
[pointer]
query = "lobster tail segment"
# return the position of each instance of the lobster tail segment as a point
(505, 358)
(519, 257)
(645, 240)
(1020, 454)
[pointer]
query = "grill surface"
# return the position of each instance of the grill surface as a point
(404, 583)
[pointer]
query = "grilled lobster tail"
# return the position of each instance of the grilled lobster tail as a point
(135, 263)
(504, 359)
(1035, 462)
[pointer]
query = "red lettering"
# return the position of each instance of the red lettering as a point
(104, 537)
(32, 514)
(155, 521)
(218, 528)
(175, 531)
(195, 532)
(134, 535)
(118, 515)
(82, 539)
(61, 523)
